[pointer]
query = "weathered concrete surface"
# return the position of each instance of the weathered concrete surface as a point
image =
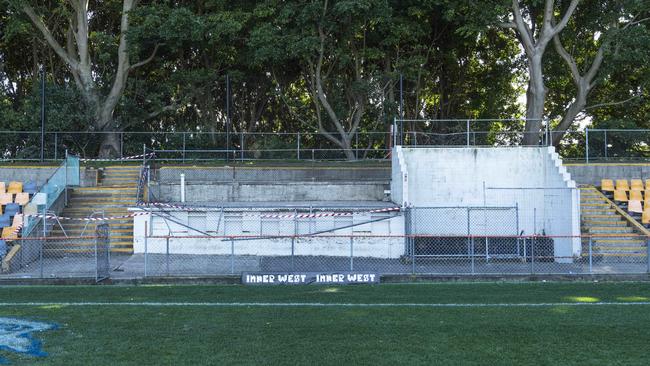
(274, 174)
(40, 174)
(269, 192)
(594, 173)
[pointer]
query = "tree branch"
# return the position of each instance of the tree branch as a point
(609, 104)
(147, 60)
(568, 59)
(49, 38)
(565, 19)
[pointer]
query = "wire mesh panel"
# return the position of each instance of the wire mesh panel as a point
(102, 252)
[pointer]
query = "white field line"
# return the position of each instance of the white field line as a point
(324, 305)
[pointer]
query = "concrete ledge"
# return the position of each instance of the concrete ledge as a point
(399, 278)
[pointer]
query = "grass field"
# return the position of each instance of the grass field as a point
(389, 324)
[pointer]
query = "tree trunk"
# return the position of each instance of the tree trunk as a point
(110, 145)
(535, 96)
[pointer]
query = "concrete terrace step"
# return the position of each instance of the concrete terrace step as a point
(589, 212)
(603, 223)
(609, 229)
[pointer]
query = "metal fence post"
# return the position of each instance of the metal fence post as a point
(183, 146)
(467, 133)
(232, 255)
(587, 145)
(605, 144)
(121, 144)
(591, 258)
(351, 253)
(241, 145)
(293, 239)
(356, 138)
(647, 256)
(533, 241)
(40, 254)
(167, 256)
(56, 145)
(145, 248)
(298, 147)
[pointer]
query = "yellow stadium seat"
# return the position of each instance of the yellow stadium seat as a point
(645, 217)
(636, 185)
(15, 187)
(607, 185)
(9, 232)
(6, 198)
(636, 196)
(620, 195)
(621, 184)
(647, 184)
(23, 198)
(634, 206)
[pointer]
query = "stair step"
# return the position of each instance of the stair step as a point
(601, 217)
(609, 229)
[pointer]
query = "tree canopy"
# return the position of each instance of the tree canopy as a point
(328, 69)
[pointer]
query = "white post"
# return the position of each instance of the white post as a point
(182, 187)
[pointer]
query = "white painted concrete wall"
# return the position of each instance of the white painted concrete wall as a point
(531, 178)
(252, 225)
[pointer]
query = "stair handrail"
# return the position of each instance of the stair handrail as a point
(92, 215)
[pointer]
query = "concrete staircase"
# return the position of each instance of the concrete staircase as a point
(115, 192)
(614, 240)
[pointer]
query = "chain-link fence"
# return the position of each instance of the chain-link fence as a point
(56, 257)
(590, 145)
(387, 254)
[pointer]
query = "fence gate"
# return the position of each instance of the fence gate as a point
(102, 252)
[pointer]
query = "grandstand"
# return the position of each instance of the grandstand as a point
(433, 210)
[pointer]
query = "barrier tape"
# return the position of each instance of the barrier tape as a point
(89, 218)
(121, 159)
(275, 216)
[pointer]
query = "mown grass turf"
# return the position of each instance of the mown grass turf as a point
(555, 335)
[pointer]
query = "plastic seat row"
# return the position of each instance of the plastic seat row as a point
(607, 185)
(18, 187)
(623, 196)
(21, 198)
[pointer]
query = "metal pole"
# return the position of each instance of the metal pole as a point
(647, 256)
(590, 256)
(532, 242)
(43, 116)
(227, 117)
(56, 145)
(351, 253)
(241, 145)
(394, 131)
(183, 147)
(467, 132)
(356, 138)
(232, 256)
(293, 239)
(587, 144)
(401, 96)
(167, 256)
(145, 248)
(298, 147)
(121, 144)
(65, 188)
(605, 144)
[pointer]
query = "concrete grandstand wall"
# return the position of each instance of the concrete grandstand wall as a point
(250, 224)
(531, 179)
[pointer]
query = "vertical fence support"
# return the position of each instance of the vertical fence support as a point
(56, 145)
(469, 240)
(232, 255)
(293, 239)
(351, 253)
(183, 147)
(356, 145)
(605, 144)
(167, 256)
(533, 242)
(121, 144)
(40, 254)
(298, 147)
(587, 145)
(467, 132)
(65, 188)
(146, 234)
(591, 258)
(647, 255)
(241, 146)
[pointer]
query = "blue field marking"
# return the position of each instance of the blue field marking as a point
(15, 336)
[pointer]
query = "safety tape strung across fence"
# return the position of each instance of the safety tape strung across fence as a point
(122, 159)
(51, 217)
(274, 216)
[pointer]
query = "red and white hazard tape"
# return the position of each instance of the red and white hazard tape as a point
(121, 159)
(276, 216)
(89, 218)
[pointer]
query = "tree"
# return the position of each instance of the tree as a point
(101, 98)
(534, 31)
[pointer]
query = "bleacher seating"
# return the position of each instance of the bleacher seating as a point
(14, 199)
(15, 187)
(633, 197)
